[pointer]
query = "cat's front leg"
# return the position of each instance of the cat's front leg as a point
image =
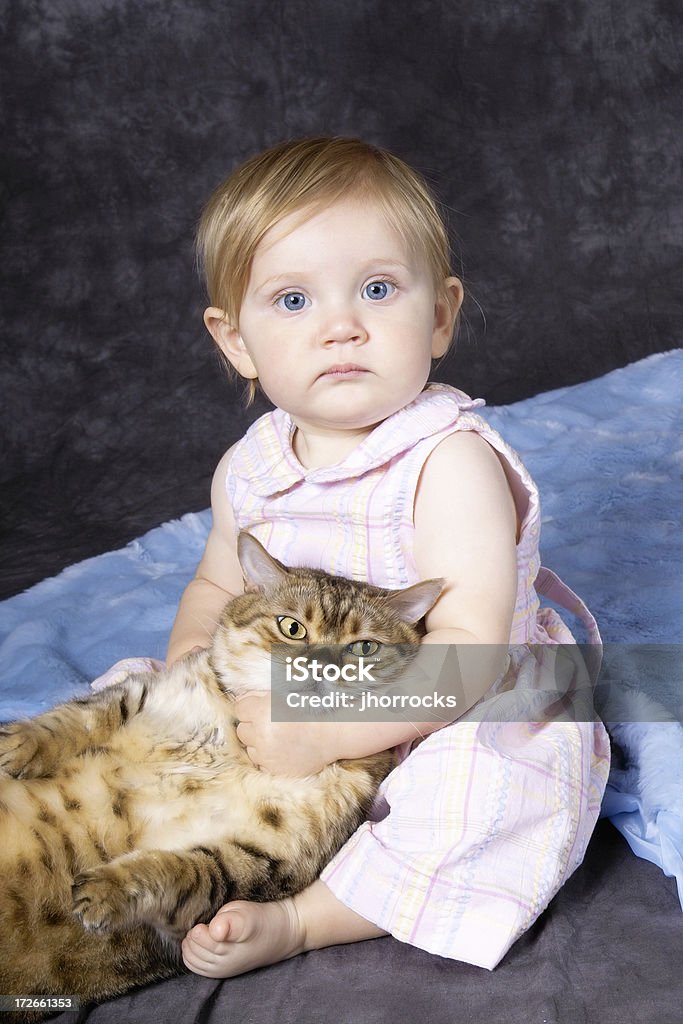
(36, 747)
(18, 749)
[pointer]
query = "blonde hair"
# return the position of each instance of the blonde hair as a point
(309, 174)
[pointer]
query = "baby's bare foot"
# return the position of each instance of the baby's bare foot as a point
(243, 936)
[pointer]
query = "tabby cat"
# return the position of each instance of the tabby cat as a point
(131, 814)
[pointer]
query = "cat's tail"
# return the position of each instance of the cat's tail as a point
(68, 961)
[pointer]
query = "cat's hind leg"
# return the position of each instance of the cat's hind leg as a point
(173, 890)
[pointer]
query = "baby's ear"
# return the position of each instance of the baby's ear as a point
(414, 602)
(229, 341)
(259, 568)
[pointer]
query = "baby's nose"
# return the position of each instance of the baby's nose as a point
(341, 326)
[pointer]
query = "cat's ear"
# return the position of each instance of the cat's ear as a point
(411, 604)
(259, 568)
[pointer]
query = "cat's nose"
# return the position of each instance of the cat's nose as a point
(327, 665)
(327, 654)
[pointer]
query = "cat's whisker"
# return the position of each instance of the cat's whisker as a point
(432, 716)
(205, 622)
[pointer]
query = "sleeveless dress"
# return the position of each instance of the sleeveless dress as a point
(481, 823)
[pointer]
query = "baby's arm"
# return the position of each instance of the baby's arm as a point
(304, 748)
(466, 530)
(217, 580)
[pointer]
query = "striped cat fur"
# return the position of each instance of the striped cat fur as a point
(131, 814)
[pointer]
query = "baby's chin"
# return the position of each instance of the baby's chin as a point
(349, 407)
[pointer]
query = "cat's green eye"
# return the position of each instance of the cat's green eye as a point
(363, 648)
(290, 628)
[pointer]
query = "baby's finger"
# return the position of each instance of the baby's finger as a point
(252, 755)
(245, 733)
(249, 704)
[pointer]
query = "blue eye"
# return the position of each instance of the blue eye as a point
(293, 301)
(378, 289)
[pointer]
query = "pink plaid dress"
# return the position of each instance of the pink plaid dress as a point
(480, 825)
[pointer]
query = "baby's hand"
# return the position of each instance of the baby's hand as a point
(282, 748)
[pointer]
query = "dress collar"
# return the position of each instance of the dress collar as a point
(278, 469)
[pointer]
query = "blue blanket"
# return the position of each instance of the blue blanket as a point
(608, 458)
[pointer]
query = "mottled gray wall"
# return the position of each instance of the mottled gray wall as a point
(551, 131)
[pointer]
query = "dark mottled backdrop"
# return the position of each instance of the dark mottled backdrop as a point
(550, 130)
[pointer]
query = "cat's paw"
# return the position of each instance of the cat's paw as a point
(19, 755)
(103, 900)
